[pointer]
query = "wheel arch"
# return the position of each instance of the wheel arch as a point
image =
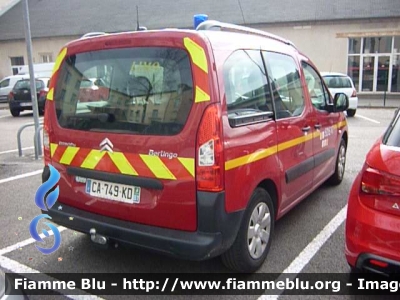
(270, 186)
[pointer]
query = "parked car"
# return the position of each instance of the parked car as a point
(341, 83)
(6, 85)
(92, 90)
(373, 214)
(20, 99)
(196, 152)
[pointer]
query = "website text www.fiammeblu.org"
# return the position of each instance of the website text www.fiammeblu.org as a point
(200, 284)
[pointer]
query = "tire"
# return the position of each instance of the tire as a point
(337, 177)
(351, 112)
(242, 256)
(15, 112)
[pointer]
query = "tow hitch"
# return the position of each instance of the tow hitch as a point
(97, 238)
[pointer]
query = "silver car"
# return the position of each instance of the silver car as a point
(7, 84)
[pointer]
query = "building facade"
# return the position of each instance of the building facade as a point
(363, 43)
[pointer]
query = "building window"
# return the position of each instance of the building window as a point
(17, 62)
(154, 114)
(354, 46)
(373, 61)
(377, 45)
(45, 57)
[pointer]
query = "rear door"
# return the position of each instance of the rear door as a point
(131, 153)
(294, 131)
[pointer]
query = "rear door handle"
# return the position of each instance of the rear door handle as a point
(305, 129)
(317, 126)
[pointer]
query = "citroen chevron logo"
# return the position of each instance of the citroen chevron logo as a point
(106, 145)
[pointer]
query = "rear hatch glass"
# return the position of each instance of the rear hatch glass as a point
(337, 82)
(128, 111)
(131, 90)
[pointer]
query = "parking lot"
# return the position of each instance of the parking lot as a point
(310, 238)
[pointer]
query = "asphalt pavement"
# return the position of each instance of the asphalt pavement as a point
(305, 240)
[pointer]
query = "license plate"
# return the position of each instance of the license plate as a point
(113, 191)
(26, 104)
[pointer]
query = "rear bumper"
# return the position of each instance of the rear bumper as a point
(216, 229)
(377, 264)
(20, 105)
(371, 234)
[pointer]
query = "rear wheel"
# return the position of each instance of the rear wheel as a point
(337, 177)
(253, 241)
(351, 112)
(15, 112)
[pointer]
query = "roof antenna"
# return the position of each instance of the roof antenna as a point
(138, 27)
(241, 10)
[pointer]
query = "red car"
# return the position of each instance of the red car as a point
(373, 216)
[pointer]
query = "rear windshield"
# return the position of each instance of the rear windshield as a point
(129, 90)
(338, 82)
(392, 135)
(26, 85)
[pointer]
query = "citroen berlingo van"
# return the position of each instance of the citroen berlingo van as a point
(201, 141)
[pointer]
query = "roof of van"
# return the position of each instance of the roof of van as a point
(50, 18)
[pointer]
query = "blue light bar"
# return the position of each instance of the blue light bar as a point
(198, 19)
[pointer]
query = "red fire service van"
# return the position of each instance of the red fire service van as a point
(205, 138)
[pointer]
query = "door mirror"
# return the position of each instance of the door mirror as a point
(340, 102)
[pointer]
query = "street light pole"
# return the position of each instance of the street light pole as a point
(28, 40)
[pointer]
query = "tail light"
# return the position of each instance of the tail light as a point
(11, 96)
(46, 145)
(380, 190)
(210, 162)
(354, 93)
(42, 93)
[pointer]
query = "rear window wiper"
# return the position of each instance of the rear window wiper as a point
(102, 117)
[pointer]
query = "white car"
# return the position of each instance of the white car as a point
(7, 84)
(341, 83)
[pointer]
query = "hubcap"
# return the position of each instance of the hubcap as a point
(259, 230)
(341, 161)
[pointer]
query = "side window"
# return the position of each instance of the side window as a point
(318, 93)
(284, 78)
(246, 85)
(5, 83)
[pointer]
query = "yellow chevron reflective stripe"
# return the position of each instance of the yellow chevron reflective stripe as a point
(122, 163)
(92, 159)
(201, 96)
(53, 148)
(188, 163)
(69, 155)
(196, 53)
(59, 60)
(240, 161)
(155, 164)
(50, 95)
